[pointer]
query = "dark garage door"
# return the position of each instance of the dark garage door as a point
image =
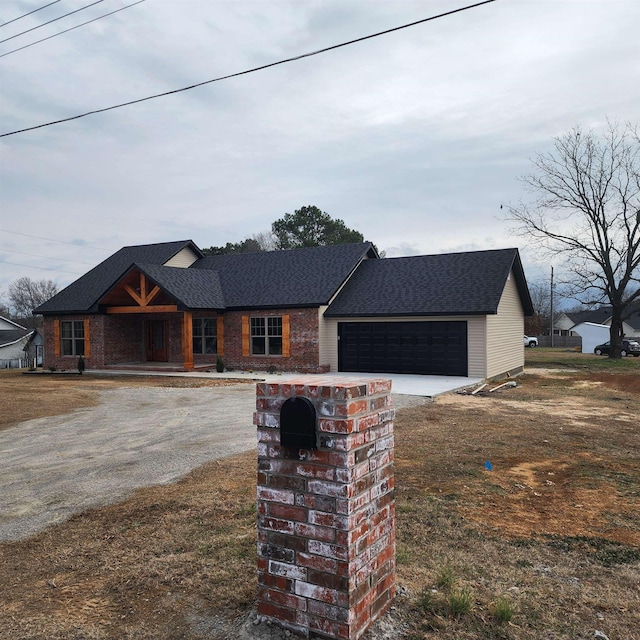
(434, 348)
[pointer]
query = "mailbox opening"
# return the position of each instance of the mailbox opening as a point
(298, 424)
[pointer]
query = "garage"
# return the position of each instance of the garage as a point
(430, 348)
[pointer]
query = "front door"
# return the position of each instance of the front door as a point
(156, 341)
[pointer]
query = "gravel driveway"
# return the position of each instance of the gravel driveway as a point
(51, 468)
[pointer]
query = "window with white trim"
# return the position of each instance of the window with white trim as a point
(205, 336)
(72, 337)
(266, 336)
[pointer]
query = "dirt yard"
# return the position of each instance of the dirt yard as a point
(545, 545)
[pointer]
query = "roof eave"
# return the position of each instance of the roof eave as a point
(410, 314)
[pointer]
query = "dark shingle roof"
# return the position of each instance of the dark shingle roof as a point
(446, 284)
(296, 278)
(7, 336)
(603, 314)
(84, 293)
(193, 288)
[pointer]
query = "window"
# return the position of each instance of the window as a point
(72, 337)
(205, 336)
(266, 336)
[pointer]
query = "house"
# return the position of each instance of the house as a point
(318, 309)
(592, 334)
(565, 324)
(18, 344)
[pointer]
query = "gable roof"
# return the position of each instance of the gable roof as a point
(8, 325)
(11, 336)
(602, 315)
(83, 294)
(294, 278)
(469, 283)
(192, 288)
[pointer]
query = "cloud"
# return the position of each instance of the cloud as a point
(414, 138)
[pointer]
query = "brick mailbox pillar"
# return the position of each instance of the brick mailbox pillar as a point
(326, 516)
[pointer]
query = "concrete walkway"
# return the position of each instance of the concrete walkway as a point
(402, 384)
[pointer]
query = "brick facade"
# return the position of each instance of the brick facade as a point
(326, 517)
(121, 338)
(304, 342)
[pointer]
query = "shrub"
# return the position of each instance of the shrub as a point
(459, 602)
(502, 609)
(219, 364)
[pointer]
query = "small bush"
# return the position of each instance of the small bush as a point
(219, 364)
(459, 602)
(446, 578)
(502, 609)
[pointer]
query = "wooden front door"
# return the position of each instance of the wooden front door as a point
(157, 341)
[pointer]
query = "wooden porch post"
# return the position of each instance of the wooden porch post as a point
(187, 339)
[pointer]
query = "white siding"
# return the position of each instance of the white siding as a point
(184, 259)
(14, 349)
(505, 348)
(475, 338)
(477, 345)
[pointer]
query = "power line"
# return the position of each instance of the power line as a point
(26, 46)
(30, 266)
(248, 71)
(35, 255)
(24, 15)
(44, 24)
(73, 244)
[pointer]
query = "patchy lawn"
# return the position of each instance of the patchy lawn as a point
(545, 545)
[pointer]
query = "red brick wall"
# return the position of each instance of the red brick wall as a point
(304, 342)
(94, 361)
(326, 517)
(122, 338)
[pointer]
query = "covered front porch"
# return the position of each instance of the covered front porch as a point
(144, 329)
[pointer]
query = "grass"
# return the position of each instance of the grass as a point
(568, 358)
(547, 545)
(502, 610)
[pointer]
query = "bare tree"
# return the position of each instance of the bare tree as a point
(4, 305)
(586, 210)
(540, 322)
(26, 294)
(266, 240)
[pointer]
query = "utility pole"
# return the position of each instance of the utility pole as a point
(551, 312)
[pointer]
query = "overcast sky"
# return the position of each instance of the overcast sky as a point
(414, 138)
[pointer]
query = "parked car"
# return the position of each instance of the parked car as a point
(629, 348)
(530, 342)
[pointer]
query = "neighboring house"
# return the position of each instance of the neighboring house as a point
(319, 309)
(592, 334)
(565, 323)
(34, 349)
(14, 343)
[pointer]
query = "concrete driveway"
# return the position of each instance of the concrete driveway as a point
(419, 386)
